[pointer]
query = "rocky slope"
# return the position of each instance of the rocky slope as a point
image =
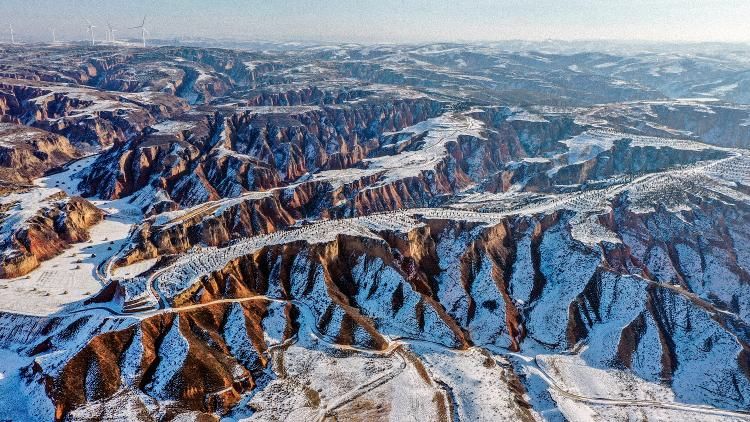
(224, 156)
(26, 153)
(395, 174)
(39, 224)
(713, 122)
(88, 118)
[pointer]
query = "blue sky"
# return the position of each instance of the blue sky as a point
(390, 20)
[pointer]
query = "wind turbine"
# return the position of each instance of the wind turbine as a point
(90, 29)
(12, 34)
(54, 36)
(110, 32)
(143, 29)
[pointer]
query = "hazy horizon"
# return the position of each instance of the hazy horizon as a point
(387, 21)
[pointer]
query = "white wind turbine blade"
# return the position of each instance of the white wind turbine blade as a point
(143, 23)
(90, 29)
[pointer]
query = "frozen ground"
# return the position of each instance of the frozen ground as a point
(564, 387)
(133, 269)
(66, 278)
(77, 272)
(26, 402)
(480, 385)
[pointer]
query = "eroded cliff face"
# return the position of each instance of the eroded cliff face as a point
(380, 181)
(87, 117)
(519, 283)
(527, 134)
(326, 138)
(209, 224)
(363, 288)
(713, 122)
(722, 125)
(40, 231)
(207, 158)
(158, 358)
(160, 157)
(676, 312)
(26, 153)
(383, 183)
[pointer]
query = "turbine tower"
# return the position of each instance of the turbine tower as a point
(111, 33)
(54, 36)
(12, 34)
(143, 29)
(90, 29)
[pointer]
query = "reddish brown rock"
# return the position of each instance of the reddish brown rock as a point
(57, 224)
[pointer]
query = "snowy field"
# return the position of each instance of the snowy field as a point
(480, 385)
(76, 273)
(66, 278)
(564, 387)
(27, 402)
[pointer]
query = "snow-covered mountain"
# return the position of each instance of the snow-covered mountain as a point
(438, 232)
